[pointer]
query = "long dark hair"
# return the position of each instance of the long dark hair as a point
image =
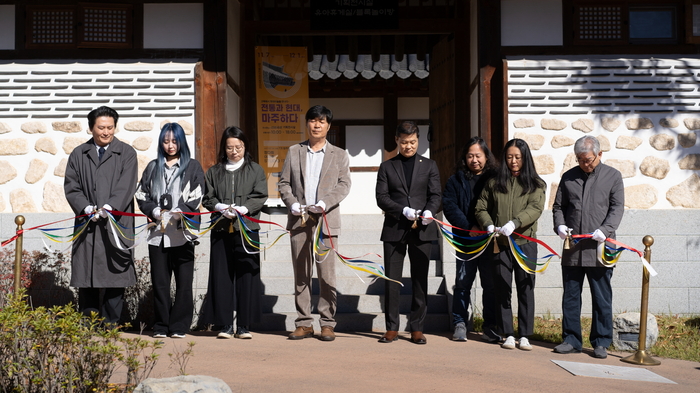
(489, 168)
(234, 132)
(157, 186)
(529, 179)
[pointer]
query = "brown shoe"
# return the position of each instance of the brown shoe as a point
(301, 332)
(418, 338)
(389, 337)
(327, 333)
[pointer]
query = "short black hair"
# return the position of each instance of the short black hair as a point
(319, 112)
(407, 127)
(100, 112)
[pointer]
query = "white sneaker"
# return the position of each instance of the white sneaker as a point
(178, 335)
(509, 344)
(524, 344)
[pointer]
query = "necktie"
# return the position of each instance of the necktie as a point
(100, 153)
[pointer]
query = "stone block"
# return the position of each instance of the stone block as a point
(21, 201)
(55, 198)
(5, 128)
(626, 331)
(2, 203)
(604, 142)
(626, 167)
(70, 127)
(34, 127)
(60, 169)
(686, 193)
(72, 142)
(654, 167)
(628, 142)
(553, 124)
(143, 161)
(662, 142)
(692, 123)
(183, 384)
(46, 145)
(142, 143)
(36, 171)
(583, 125)
(544, 164)
(569, 162)
(139, 126)
(668, 122)
(642, 196)
(690, 162)
(7, 171)
(560, 141)
(186, 126)
(639, 123)
(552, 194)
(688, 139)
(534, 141)
(609, 123)
(13, 147)
(524, 123)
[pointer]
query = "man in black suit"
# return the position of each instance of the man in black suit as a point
(407, 185)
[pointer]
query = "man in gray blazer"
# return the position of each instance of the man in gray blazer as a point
(408, 187)
(590, 199)
(315, 178)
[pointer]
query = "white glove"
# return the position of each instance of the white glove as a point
(598, 236)
(507, 229)
(220, 207)
(230, 214)
(295, 209)
(156, 214)
(427, 217)
(409, 213)
(491, 229)
(562, 230)
(241, 209)
(103, 211)
(318, 208)
(175, 214)
(89, 209)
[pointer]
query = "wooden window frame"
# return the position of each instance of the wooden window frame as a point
(689, 37)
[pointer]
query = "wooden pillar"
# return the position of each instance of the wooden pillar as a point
(391, 121)
(210, 117)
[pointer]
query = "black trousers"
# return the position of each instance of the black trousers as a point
(601, 299)
(109, 307)
(173, 317)
(505, 266)
(419, 256)
(234, 281)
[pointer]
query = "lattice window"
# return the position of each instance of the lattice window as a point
(51, 27)
(602, 23)
(81, 26)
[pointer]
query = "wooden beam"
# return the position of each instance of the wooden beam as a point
(210, 104)
(391, 121)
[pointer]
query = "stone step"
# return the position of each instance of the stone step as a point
(349, 286)
(350, 322)
(284, 269)
(352, 303)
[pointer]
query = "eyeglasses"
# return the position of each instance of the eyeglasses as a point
(586, 161)
(238, 148)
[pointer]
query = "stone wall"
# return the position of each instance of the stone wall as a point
(643, 111)
(43, 109)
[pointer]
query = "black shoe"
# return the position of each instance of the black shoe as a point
(226, 332)
(243, 333)
(566, 348)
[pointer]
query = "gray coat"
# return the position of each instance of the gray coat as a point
(586, 203)
(97, 262)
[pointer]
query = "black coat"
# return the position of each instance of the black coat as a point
(459, 201)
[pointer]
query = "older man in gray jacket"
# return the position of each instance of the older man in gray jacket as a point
(590, 200)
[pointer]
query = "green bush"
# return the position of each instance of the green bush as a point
(57, 349)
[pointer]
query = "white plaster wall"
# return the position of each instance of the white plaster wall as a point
(7, 27)
(173, 25)
(531, 22)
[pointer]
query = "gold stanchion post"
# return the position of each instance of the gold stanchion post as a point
(19, 220)
(641, 357)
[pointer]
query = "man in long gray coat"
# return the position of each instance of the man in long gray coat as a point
(101, 175)
(590, 200)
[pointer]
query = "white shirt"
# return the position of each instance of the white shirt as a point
(314, 162)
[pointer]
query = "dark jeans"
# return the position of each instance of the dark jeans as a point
(466, 273)
(505, 267)
(110, 308)
(165, 263)
(601, 298)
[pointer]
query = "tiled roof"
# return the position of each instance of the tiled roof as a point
(386, 67)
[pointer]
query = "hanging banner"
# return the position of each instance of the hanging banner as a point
(282, 91)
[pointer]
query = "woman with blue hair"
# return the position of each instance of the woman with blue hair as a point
(171, 186)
